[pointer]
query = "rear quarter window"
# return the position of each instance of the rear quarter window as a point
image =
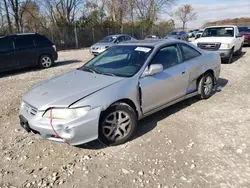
(42, 41)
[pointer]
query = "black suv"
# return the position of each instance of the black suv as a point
(26, 50)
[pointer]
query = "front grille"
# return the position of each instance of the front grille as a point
(29, 109)
(209, 46)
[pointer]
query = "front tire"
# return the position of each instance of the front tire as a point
(117, 124)
(45, 61)
(206, 85)
(229, 60)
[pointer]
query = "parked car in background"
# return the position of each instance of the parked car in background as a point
(190, 33)
(105, 98)
(245, 31)
(26, 50)
(108, 41)
(225, 39)
(194, 32)
(151, 37)
(198, 34)
(181, 35)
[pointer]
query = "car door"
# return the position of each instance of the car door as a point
(7, 58)
(167, 85)
(25, 53)
(194, 63)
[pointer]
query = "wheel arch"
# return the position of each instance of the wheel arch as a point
(200, 77)
(127, 101)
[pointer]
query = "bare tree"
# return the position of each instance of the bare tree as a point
(117, 10)
(1, 17)
(14, 4)
(7, 15)
(149, 9)
(62, 11)
(185, 14)
(29, 16)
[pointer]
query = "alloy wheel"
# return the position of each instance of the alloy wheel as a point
(46, 61)
(116, 126)
(208, 85)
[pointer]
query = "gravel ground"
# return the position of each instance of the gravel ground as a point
(191, 144)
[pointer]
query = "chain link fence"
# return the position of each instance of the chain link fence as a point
(72, 37)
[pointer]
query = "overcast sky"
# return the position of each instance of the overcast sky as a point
(212, 10)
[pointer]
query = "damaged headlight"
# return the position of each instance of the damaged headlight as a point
(66, 113)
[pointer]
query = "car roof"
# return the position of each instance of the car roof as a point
(117, 35)
(151, 43)
(222, 26)
(19, 34)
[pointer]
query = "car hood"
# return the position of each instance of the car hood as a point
(66, 89)
(214, 39)
(100, 44)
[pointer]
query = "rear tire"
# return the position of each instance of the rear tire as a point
(206, 85)
(117, 124)
(45, 61)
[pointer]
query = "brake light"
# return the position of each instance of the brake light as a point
(54, 46)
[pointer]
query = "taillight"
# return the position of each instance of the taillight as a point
(54, 46)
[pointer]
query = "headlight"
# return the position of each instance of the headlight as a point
(225, 46)
(67, 113)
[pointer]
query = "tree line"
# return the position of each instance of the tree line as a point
(236, 21)
(18, 16)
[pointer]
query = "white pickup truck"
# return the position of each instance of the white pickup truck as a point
(226, 40)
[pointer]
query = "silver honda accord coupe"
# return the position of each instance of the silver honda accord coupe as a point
(105, 98)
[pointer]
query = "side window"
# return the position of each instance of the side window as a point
(189, 52)
(5, 44)
(120, 39)
(127, 38)
(24, 42)
(167, 56)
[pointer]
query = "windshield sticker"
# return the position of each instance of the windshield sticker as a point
(143, 49)
(228, 28)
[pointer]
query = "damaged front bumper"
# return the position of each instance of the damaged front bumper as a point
(75, 132)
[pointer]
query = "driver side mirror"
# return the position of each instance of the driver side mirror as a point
(152, 70)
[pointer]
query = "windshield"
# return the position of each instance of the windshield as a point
(174, 33)
(218, 32)
(123, 61)
(108, 39)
